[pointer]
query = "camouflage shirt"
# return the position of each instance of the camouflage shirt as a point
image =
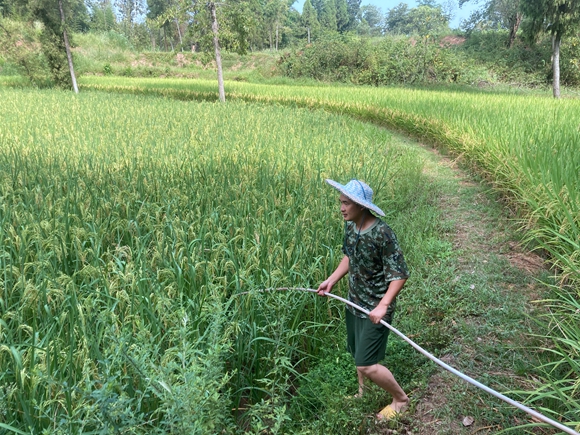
(375, 259)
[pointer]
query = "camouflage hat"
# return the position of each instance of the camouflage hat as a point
(359, 192)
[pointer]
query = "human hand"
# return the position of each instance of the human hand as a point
(378, 313)
(325, 287)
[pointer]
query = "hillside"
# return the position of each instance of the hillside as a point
(478, 59)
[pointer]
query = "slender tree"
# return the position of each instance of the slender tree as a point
(342, 20)
(327, 17)
(218, 57)
(353, 8)
(55, 16)
(559, 18)
(274, 12)
(67, 48)
(129, 13)
(102, 16)
(309, 19)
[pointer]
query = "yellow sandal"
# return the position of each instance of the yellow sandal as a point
(388, 413)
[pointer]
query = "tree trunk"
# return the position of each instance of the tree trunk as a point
(165, 37)
(556, 39)
(309, 35)
(179, 33)
(277, 36)
(515, 25)
(68, 52)
(218, 56)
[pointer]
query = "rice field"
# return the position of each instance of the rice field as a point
(527, 146)
(129, 226)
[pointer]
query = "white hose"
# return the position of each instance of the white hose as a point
(447, 367)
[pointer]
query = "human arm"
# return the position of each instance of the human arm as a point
(341, 270)
(381, 309)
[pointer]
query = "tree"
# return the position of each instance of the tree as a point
(55, 15)
(342, 19)
(218, 58)
(102, 16)
(353, 8)
(309, 18)
(318, 6)
(129, 13)
(504, 14)
(371, 23)
(67, 47)
(423, 20)
(5, 8)
(559, 18)
(396, 19)
(274, 12)
(327, 17)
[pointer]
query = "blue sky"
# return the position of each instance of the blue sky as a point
(385, 5)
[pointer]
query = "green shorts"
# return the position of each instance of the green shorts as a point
(365, 340)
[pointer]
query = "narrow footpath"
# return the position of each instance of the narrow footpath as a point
(493, 342)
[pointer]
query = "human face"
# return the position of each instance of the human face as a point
(350, 210)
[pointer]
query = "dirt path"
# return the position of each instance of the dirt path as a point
(490, 257)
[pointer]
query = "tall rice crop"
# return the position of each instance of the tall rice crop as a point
(525, 145)
(128, 226)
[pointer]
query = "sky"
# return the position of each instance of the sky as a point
(385, 5)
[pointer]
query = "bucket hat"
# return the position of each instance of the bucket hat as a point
(359, 192)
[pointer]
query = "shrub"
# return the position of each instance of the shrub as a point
(391, 60)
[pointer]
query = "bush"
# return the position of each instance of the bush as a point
(391, 60)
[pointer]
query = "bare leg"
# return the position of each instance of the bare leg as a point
(361, 380)
(383, 377)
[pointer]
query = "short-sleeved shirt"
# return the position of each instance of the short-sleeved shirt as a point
(375, 259)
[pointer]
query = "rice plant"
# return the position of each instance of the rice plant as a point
(129, 227)
(525, 145)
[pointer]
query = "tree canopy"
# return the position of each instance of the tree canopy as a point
(426, 19)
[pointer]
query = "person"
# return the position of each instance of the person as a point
(376, 272)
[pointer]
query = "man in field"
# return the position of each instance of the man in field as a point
(377, 272)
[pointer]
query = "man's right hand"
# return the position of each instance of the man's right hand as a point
(325, 287)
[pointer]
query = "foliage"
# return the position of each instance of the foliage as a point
(102, 17)
(52, 35)
(309, 19)
(493, 15)
(520, 65)
(393, 60)
(556, 17)
(423, 20)
(20, 46)
(54, 51)
(372, 21)
(43, 34)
